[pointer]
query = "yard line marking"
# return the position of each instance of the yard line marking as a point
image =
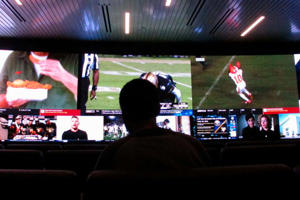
(141, 71)
(128, 67)
(124, 73)
(215, 82)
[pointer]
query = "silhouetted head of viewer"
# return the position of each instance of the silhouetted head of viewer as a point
(139, 101)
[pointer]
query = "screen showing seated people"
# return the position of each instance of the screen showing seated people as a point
(234, 97)
(103, 76)
(29, 127)
(35, 80)
(251, 81)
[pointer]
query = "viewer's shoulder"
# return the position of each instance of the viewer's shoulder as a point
(182, 135)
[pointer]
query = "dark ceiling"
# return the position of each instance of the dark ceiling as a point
(186, 26)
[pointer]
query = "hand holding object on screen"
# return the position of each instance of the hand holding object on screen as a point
(56, 71)
(53, 68)
(17, 103)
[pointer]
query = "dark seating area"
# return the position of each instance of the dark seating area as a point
(70, 171)
(184, 183)
(39, 184)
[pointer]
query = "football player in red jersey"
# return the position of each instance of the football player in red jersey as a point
(236, 74)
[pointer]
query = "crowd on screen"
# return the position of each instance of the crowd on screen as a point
(30, 125)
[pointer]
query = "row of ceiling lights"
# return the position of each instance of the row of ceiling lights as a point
(168, 4)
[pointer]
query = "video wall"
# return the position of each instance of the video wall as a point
(49, 95)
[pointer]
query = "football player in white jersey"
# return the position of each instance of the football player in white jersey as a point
(236, 74)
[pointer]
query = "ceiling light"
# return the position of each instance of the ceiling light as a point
(252, 26)
(19, 2)
(168, 3)
(127, 22)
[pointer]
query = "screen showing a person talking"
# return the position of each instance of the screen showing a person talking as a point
(252, 81)
(170, 74)
(35, 80)
(208, 97)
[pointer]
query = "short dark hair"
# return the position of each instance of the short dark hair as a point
(74, 116)
(139, 100)
(167, 120)
(248, 116)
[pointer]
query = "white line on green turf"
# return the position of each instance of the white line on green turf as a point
(133, 68)
(127, 66)
(215, 82)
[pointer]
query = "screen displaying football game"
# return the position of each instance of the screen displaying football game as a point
(170, 74)
(38, 80)
(253, 81)
(47, 96)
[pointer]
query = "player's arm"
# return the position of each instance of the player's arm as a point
(177, 94)
(56, 71)
(95, 76)
(95, 83)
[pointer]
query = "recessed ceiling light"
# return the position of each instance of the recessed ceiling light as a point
(19, 2)
(252, 26)
(168, 3)
(127, 22)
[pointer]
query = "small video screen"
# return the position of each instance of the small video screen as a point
(215, 126)
(35, 80)
(114, 127)
(248, 125)
(29, 128)
(180, 124)
(80, 128)
(258, 126)
(289, 125)
(103, 77)
(251, 81)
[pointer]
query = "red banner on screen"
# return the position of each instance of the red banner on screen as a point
(57, 112)
(270, 111)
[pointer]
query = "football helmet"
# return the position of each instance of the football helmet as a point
(151, 77)
(232, 69)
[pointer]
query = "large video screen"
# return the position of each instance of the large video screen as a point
(170, 74)
(51, 96)
(252, 81)
(38, 80)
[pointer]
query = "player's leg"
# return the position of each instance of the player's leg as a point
(243, 96)
(249, 94)
(85, 82)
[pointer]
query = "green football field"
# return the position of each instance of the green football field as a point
(270, 78)
(116, 72)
